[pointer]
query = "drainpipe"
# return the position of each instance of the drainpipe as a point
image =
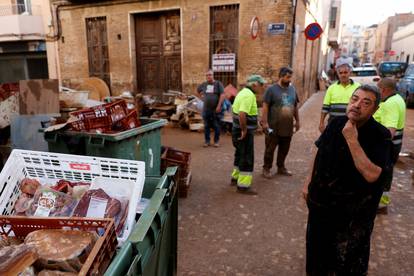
(292, 47)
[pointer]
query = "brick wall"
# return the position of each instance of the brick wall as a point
(265, 55)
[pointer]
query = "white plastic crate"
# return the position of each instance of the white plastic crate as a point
(48, 168)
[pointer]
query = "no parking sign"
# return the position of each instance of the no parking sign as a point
(313, 31)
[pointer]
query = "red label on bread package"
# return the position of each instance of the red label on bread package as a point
(81, 167)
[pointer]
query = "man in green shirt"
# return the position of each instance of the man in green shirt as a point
(391, 114)
(338, 94)
(244, 125)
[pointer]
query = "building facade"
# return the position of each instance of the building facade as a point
(384, 35)
(352, 42)
(403, 44)
(151, 47)
(311, 57)
(23, 35)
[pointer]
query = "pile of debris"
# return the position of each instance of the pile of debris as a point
(183, 110)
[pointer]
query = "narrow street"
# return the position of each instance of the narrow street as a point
(222, 232)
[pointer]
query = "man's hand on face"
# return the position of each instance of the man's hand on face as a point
(350, 131)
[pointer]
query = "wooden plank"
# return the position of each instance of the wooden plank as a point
(39, 97)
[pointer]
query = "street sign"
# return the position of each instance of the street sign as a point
(313, 31)
(224, 62)
(276, 28)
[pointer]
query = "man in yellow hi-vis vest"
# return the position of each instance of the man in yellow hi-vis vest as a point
(244, 125)
(391, 114)
(338, 94)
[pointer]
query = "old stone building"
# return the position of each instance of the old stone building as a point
(155, 46)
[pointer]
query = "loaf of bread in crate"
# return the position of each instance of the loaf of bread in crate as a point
(46, 272)
(16, 258)
(59, 249)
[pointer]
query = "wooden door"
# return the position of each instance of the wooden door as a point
(98, 57)
(158, 46)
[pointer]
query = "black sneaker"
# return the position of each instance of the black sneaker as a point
(246, 191)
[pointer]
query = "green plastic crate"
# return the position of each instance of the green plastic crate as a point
(151, 249)
(142, 143)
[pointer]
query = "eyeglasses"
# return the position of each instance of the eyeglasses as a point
(209, 74)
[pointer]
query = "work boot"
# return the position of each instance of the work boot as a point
(246, 191)
(233, 182)
(383, 210)
(284, 171)
(267, 174)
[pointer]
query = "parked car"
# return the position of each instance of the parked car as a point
(394, 69)
(406, 85)
(365, 75)
(367, 65)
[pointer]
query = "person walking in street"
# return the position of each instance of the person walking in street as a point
(391, 114)
(244, 125)
(212, 93)
(338, 94)
(280, 116)
(345, 187)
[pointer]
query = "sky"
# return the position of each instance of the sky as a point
(368, 12)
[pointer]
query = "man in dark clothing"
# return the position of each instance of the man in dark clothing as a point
(212, 93)
(280, 107)
(344, 188)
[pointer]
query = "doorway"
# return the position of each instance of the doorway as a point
(158, 51)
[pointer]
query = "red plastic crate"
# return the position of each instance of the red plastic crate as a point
(101, 117)
(129, 122)
(173, 157)
(102, 252)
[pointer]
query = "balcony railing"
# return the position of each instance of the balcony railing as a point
(17, 9)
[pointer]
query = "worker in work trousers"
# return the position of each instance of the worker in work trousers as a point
(338, 94)
(244, 125)
(391, 114)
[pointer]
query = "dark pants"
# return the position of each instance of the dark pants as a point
(211, 121)
(272, 141)
(394, 158)
(337, 246)
(244, 150)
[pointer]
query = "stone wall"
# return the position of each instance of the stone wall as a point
(264, 55)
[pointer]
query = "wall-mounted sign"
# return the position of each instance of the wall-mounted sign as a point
(254, 27)
(224, 62)
(276, 28)
(313, 31)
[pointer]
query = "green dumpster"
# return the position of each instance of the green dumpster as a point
(151, 249)
(142, 143)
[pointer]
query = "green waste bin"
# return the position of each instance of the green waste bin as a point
(151, 249)
(142, 143)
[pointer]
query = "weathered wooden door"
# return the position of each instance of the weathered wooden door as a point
(98, 57)
(158, 48)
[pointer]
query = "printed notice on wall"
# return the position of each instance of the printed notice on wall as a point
(224, 62)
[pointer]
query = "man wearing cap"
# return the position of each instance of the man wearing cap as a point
(212, 93)
(391, 114)
(280, 111)
(338, 94)
(244, 125)
(345, 186)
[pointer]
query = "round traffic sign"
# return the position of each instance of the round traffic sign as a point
(313, 31)
(254, 27)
